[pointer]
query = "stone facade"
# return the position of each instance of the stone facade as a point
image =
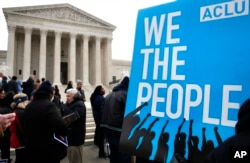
(61, 43)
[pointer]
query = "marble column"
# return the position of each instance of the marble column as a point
(97, 59)
(107, 61)
(72, 58)
(43, 50)
(27, 53)
(85, 60)
(57, 59)
(11, 50)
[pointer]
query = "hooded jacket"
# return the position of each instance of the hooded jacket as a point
(114, 106)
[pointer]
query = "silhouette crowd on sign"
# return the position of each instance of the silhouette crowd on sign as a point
(137, 140)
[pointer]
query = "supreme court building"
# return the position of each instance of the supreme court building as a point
(59, 42)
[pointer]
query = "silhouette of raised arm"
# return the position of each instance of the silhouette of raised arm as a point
(217, 135)
(190, 131)
(137, 109)
(179, 129)
(152, 124)
(162, 131)
(143, 121)
(204, 140)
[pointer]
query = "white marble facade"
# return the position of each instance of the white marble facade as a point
(58, 42)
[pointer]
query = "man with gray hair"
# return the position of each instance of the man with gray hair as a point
(79, 88)
(77, 128)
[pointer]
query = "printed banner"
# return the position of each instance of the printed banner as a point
(188, 78)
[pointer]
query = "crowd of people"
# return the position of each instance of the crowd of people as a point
(35, 121)
(32, 121)
(42, 128)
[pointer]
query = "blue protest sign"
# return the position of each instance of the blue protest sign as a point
(190, 74)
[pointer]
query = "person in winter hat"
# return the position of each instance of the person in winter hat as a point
(43, 122)
(240, 139)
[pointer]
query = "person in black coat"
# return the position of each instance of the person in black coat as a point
(42, 121)
(240, 139)
(28, 86)
(12, 85)
(112, 120)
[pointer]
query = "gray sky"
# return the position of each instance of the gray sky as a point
(120, 13)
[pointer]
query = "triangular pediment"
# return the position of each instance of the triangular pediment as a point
(62, 12)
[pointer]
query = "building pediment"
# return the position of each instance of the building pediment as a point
(62, 12)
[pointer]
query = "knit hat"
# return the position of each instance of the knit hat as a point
(45, 88)
(125, 81)
(123, 85)
(20, 99)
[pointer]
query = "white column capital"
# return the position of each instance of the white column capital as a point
(58, 33)
(85, 36)
(109, 39)
(28, 30)
(43, 31)
(98, 37)
(73, 35)
(11, 28)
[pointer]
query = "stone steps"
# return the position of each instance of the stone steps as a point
(90, 127)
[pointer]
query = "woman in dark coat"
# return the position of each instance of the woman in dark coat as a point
(42, 121)
(96, 100)
(17, 139)
(69, 86)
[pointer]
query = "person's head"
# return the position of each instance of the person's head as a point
(45, 89)
(19, 82)
(2, 93)
(78, 84)
(125, 81)
(32, 77)
(5, 78)
(38, 81)
(14, 78)
(43, 79)
(20, 100)
(70, 84)
(99, 90)
(8, 98)
(71, 94)
(123, 85)
(243, 117)
(56, 87)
